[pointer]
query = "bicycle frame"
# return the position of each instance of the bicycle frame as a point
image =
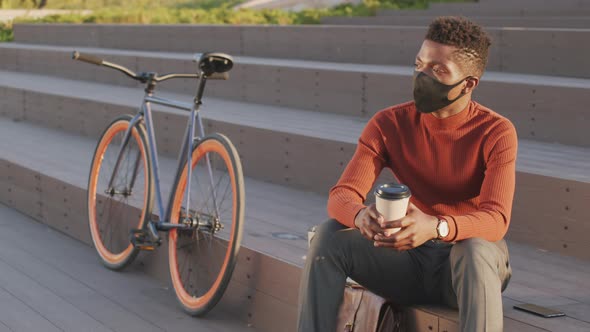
(195, 120)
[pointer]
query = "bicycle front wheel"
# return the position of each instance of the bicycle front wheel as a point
(114, 210)
(202, 258)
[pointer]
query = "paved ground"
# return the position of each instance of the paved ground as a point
(10, 14)
(51, 282)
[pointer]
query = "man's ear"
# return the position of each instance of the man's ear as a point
(471, 83)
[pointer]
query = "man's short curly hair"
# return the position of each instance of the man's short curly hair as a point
(472, 41)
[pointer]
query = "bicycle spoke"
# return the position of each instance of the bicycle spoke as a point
(209, 251)
(205, 194)
(227, 187)
(121, 208)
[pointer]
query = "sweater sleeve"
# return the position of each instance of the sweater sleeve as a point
(490, 221)
(347, 197)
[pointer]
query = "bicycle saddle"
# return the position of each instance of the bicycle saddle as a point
(215, 62)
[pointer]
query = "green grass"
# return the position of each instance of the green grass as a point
(6, 32)
(97, 4)
(199, 12)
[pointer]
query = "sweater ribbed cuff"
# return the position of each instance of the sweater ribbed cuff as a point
(354, 211)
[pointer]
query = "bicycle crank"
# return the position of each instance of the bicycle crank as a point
(141, 240)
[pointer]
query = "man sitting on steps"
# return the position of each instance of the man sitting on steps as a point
(458, 159)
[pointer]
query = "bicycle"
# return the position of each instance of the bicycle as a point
(124, 179)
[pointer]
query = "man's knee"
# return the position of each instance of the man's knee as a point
(323, 241)
(478, 259)
(474, 253)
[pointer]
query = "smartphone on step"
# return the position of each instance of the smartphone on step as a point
(538, 310)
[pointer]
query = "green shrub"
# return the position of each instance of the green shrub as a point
(201, 12)
(6, 32)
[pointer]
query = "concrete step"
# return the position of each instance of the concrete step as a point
(534, 103)
(43, 174)
(53, 282)
(276, 144)
(524, 8)
(282, 146)
(576, 22)
(557, 52)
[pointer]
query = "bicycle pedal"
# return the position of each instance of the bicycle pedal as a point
(145, 247)
(141, 240)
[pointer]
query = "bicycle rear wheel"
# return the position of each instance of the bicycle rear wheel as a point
(114, 211)
(202, 258)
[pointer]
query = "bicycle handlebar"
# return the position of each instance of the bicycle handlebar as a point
(142, 77)
(215, 76)
(100, 62)
(87, 58)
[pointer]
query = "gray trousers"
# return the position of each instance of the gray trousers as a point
(469, 275)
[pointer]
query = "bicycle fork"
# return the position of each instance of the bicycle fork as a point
(124, 142)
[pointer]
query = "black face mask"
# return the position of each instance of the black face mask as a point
(431, 95)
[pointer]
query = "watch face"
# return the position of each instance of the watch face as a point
(443, 229)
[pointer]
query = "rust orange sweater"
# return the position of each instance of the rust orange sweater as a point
(460, 168)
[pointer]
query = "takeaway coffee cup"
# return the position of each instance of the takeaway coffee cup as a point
(392, 201)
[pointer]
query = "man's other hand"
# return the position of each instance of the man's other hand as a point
(417, 227)
(368, 220)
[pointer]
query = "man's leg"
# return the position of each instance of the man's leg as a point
(337, 252)
(479, 271)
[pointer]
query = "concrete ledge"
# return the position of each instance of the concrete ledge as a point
(575, 22)
(533, 103)
(255, 295)
(263, 290)
(264, 286)
(559, 52)
(281, 155)
(269, 155)
(524, 8)
(61, 206)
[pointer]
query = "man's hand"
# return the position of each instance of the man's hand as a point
(417, 228)
(368, 220)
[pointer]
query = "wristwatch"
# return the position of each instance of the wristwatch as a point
(442, 229)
